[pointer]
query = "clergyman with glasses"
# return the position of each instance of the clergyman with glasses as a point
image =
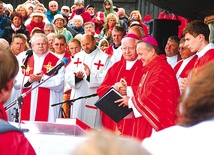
(155, 99)
(124, 76)
(37, 103)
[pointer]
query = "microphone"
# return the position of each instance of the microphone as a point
(55, 69)
(29, 53)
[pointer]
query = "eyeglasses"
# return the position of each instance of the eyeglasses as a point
(128, 48)
(57, 44)
(41, 44)
(182, 48)
(107, 3)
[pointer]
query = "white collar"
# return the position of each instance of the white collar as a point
(205, 49)
(129, 64)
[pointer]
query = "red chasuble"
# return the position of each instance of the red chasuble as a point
(114, 74)
(156, 98)
(200, 62)
(43, 93)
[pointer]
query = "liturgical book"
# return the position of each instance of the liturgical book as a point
(107, 104)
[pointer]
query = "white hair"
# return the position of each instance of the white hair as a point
(77, 17)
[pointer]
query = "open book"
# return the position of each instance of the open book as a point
(107, 105)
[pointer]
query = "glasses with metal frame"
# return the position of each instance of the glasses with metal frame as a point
(128, 48)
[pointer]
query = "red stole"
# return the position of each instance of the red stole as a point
(187, 69)
(177, 66)
(43, 97)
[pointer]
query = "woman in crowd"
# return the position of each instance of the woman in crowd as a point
(137, 16)
(111, 22)
(77, 25)
(36, 21)
(59, 27)
(22, 9)
(16, 26)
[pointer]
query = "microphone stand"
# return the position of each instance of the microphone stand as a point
(70, 102)
(20, 102)
(73, 100)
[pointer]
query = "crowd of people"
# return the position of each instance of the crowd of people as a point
(94, 51)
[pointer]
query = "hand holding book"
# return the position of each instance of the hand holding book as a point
(107, 104)
(121, 86)
(123, 101)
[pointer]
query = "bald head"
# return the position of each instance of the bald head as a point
(4, 43)
(88, 43)
(137, 30)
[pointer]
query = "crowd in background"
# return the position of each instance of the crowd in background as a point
(103, 49)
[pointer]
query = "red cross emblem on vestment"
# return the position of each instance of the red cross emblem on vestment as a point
(98, 64)
(77, 62)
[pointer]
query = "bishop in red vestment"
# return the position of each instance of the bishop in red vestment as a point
(155, 102)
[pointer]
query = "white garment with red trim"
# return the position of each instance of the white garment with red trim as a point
(84, 109)
(55, 84)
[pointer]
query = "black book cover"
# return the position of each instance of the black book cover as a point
(107, 105)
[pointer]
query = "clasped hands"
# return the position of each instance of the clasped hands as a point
(80, 74)
(121, 87)
(35, 77)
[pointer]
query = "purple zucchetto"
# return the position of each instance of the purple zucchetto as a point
(151, 40)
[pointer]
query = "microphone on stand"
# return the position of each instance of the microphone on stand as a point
(19, 101)
(56, 68)
(29, 53)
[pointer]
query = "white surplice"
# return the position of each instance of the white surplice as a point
(84, 109)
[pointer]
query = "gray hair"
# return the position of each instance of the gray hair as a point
(38, 36)
(47, 25)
